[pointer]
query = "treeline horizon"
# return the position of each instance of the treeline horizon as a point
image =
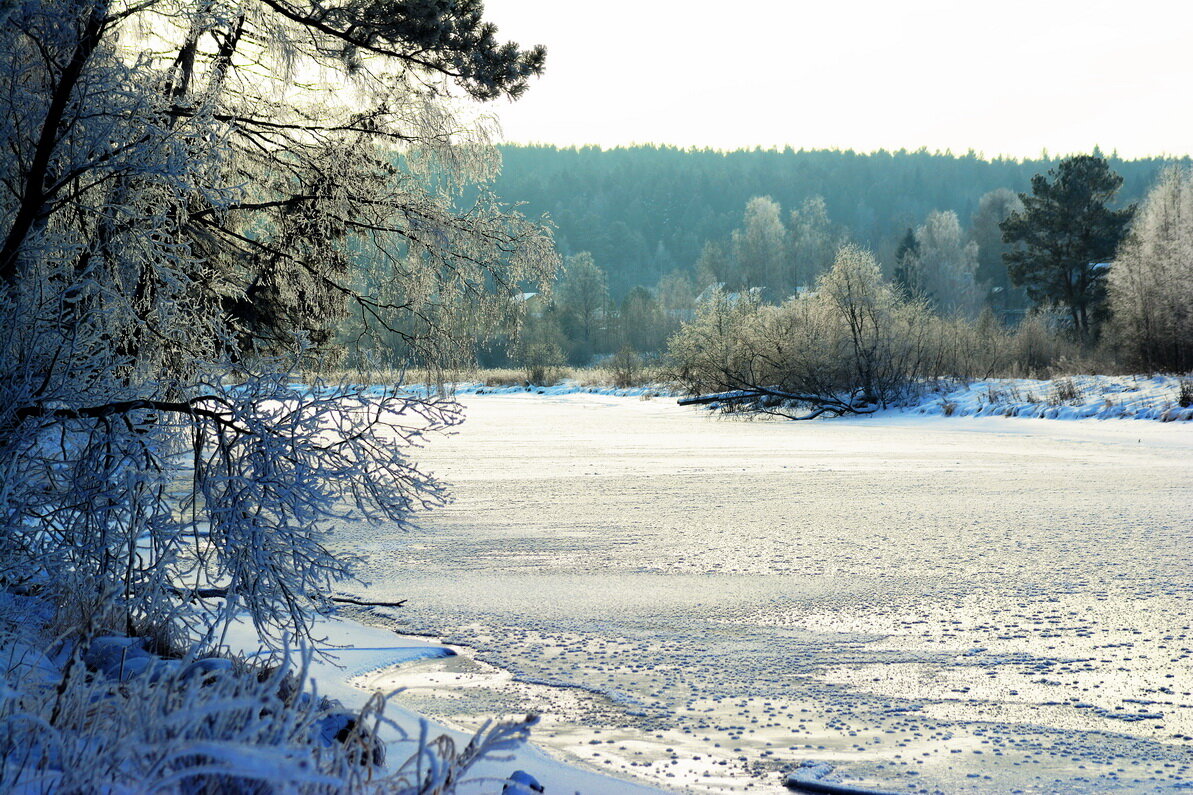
(649, 234)
(646, 211)
(1044, 156)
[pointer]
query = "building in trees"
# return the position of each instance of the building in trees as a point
(1065, 235)
(1151, 280)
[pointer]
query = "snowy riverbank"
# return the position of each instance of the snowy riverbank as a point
(1155, 397)
(109, 715)
(1071, 398)
(360, 652)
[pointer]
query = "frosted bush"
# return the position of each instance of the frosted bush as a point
(100, 714)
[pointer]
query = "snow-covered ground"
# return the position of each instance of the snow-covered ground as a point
(1155, 397)
(1073, 398)
(350, 675)
(969, 604)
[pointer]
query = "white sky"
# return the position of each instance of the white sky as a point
(1006, 77)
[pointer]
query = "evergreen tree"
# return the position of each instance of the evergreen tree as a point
(621, 203)
(1069, 235)
(905, 262)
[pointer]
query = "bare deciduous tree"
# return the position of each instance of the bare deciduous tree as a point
(814, 241)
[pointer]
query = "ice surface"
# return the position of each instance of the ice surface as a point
(965, 604)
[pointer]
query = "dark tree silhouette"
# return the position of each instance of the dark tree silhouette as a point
(1068, 234)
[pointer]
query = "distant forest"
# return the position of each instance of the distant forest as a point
(646, 211)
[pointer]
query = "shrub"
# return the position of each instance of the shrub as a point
(192, 726)
(854, 341)
(1064, 392)
(626, 367)
(543, 365)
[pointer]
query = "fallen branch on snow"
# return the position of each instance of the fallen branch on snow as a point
(771, 400)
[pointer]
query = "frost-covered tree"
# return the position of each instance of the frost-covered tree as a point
(713, 266)
(994, 208)
(541, 345)
(815, 240)
(192, 194)
(942, 265)
(641, 323)
(851, 344)
(1151, 280)
(583, 294)
(760, 249)
(677, 296)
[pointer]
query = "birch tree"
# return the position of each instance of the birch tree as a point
(851, 345)
(1151, 280)
(760, 248)
(584, 296)
(942, 265)
(194, 194)
(814, 241)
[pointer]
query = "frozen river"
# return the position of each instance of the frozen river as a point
(964, 605)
